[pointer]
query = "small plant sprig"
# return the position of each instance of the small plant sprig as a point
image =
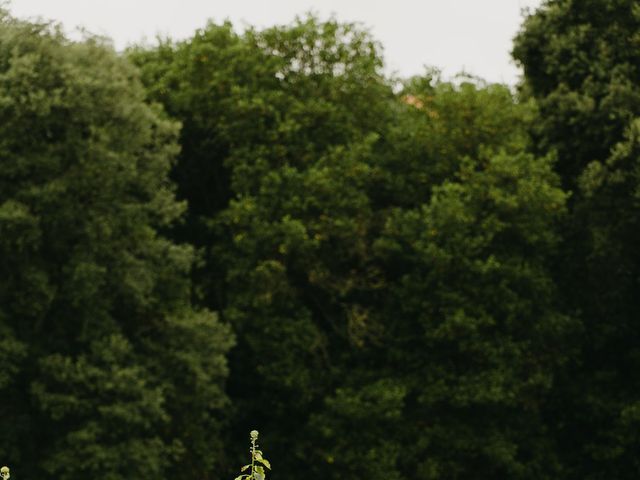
(258, 462)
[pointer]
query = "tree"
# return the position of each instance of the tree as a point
(581, 65)
(107, 369)
(357, 304)
(386, 256)
(277, 101)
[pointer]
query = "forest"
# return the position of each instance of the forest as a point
(419, 278)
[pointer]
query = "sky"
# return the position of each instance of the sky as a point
(473, 36)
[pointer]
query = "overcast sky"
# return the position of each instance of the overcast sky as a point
(453, 35)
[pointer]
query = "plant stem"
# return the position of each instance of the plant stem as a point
(253, 457)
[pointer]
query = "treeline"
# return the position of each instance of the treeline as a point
(390, 279)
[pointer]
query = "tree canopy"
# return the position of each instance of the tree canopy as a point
(420, 278)
(375, 244)
(107, 370)
(582, 68)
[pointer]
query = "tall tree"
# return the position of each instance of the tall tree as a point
(582, 65)
(385, 256)
(458, 337)
(278, 101)
(107, 371)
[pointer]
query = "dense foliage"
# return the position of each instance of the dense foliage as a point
(582, 66)
(424, 279)
(385, 255)
(107, 371)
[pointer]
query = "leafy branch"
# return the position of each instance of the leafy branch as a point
(258, 462)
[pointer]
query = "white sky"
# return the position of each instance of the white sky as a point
(453, 35)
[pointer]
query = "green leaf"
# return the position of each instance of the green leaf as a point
(265, 462)
(245, 467)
